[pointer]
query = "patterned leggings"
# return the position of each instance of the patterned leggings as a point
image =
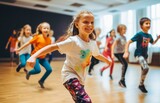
(77, 91)
(144, 67)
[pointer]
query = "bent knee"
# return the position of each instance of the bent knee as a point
(49, 70)
(38, 71)
(145, 71)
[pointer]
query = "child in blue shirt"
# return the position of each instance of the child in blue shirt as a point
(142, 38)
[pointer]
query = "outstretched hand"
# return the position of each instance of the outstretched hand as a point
(31, 61)
(125, 55)
(17, 51)
(158, 36)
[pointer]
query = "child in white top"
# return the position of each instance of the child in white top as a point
(79, 48)
(24, 54)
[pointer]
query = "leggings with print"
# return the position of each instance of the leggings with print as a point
(37, 68)
(77, 91)
(144, 68)
(124, 63)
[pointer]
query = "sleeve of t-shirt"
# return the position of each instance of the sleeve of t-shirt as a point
(65, 46)
(135, 38)
(117, 38)
(53, 39)
(151, 39)
(33, 40)
(19, 38)
(95, 51)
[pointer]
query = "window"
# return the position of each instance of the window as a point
(154, 15)
(106, 24)
(128, 18)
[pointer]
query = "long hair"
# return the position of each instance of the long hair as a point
(72, 30)
(109, 33)
(39, 28)
(22, 33)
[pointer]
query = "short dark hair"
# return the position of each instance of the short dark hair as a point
(143, 19)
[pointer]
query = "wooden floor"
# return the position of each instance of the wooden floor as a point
(14, 88)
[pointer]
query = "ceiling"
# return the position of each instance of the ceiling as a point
(70, 7)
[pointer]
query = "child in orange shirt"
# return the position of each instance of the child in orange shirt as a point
(12, 41)
(40, 40)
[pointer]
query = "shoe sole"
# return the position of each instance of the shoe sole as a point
(120, 84)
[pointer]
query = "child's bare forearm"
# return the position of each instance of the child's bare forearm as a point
(45, 50)
(102, 58)
(127, 46)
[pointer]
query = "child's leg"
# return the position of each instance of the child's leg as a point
(124, 64)
(124, 68)
(12, 56)
(111, 68)
(48, 68)
(35, 70)
(94, 61)
(17, 58)
(104, 67)
(50, 57)
(26, 58)
(77, 91)
(22, 62)
(144, 67)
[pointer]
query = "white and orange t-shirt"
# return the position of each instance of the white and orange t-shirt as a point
(78, 55)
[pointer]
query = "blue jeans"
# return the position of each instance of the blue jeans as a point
(23, 59)
(37, 68)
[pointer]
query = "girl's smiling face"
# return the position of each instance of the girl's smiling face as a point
(85, 24)
(27, 31)
(45, 29)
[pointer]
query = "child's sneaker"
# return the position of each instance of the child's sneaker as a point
(41, 84)
(27, 76)
(122, 83)
(18, 68)
(111, 77)
(143, 89)
(25, 70)
(89, 73)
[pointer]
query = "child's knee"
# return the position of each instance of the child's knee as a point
(49, 70)
(145, 71)
(23, 64)
(38, 71)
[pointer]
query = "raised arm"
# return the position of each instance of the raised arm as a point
(126, 53)
(7, 43)
(45, 50)
(156, 39)
(103, 58)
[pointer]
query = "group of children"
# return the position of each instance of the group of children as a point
(79, 46)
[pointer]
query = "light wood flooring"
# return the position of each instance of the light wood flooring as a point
(14, 88)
